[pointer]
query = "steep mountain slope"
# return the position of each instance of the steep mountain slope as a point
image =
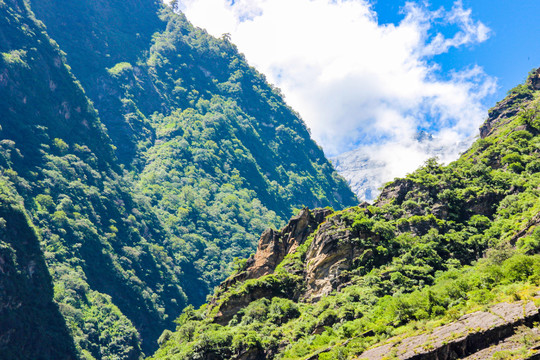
(442, 242)
(97, 35)
(212, 146)
(102, 246)
(185, 68)
(31, 326)
(138, 219)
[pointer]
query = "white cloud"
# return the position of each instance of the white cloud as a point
(354, 81)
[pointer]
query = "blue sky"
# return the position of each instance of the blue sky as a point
(512, 49)
(368, 75)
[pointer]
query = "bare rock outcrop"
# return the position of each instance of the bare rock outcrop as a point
(471, 334)
(331, 252)
(274, 245)
(535, 79)
(396, 191)
(272, 249)
(510, 106)
(525, 338)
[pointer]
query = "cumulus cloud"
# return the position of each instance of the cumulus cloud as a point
(358, 83)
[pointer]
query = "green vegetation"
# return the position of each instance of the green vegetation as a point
(141, 209)
(209, 145)
(26, 291)
(15, 57)
(358, 315)
(455, 239)
(120, 68)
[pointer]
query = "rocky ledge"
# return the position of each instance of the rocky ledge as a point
(479, 335)
(274, 245)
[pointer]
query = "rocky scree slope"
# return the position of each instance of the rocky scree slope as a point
(440, 243)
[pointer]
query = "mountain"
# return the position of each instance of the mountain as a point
(368, 168)
(31, 325)
(444, 264)
(105, 265)
(192, 121)
(363, 174)
(146, 156)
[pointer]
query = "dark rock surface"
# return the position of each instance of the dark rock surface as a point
(524, 342)
(535, 79)
(275, 245)
(397, 192)
(510, 106)
(331, 252)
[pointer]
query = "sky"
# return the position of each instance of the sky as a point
(369, 75)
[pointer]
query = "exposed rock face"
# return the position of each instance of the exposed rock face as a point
(513, 344)
(272, 249)
(505, 109)
(485, 204)
(331, 252)
(275, 245)
(234, 303)
(535, 79)
(397, 191)
(469, 335)
(510, 106)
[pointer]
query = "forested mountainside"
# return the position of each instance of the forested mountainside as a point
(192, 121)
(30, 323)
(143, 180)
(433, 269)
(103, 247)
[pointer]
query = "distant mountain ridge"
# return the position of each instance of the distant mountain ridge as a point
(363, 174)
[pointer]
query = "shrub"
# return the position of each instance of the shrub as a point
(518, 267)
(511, 158)
(516, 167)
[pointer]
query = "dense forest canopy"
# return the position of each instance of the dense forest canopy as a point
(148, 155)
